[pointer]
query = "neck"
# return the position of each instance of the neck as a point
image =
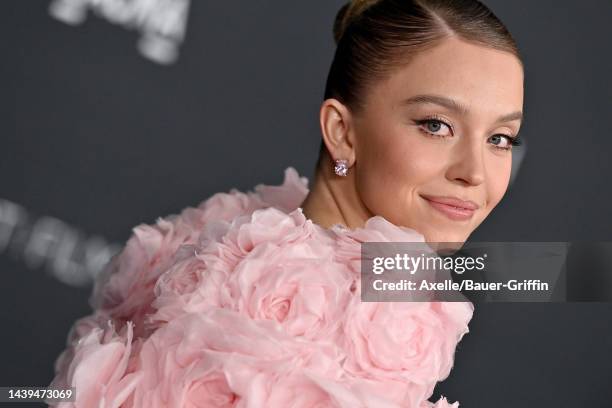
(334, 200)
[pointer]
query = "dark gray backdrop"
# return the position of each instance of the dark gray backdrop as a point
(103, 139)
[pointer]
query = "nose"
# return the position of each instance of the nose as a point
(467, 164)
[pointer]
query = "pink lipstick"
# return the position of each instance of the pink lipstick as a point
(454, 208)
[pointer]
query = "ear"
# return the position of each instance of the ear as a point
(336, 129)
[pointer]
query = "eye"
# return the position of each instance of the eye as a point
(435, 127)
(503, 142)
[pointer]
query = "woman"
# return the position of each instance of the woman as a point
(253, 299)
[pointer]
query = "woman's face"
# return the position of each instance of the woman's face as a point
(436, 131)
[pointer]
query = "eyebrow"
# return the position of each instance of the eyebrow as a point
(455, 106)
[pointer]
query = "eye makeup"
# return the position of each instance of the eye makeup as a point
(437, 122)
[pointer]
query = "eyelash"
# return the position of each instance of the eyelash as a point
(512, 140)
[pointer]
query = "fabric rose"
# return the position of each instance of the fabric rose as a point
(289, 276)
(404, 341)
(375, 229)
(97, 366)
(398, 393)
(243, 302)
(222, 244)
(215, 356)
(271, 278)
(124, 289)
(306, 388)
(183, 288)
(84, 325)
(288, 196)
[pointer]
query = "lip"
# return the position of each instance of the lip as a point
(454, 208)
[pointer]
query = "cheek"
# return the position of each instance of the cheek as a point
(498, 178)
(392, 168)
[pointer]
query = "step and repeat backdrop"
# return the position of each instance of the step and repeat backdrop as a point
(118, 112)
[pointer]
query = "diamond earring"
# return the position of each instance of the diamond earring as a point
(341, 167)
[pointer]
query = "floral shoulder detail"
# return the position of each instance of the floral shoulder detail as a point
(244, 302)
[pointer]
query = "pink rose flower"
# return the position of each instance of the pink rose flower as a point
(376, 229)
(223, 206)
(97, 365)
(287, 196)
(404, 341)
(269, 226)
(222, 245)
(307, 389)
(398, 393)
(243, 302)
(289, 275)
(227, 206)
(306, 296)
(84, 325)
(216, 356)
(180, 288)
(169, 382)
(124, 290)
(280, 269)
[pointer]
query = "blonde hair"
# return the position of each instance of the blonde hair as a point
(374, 37)
(347, 13)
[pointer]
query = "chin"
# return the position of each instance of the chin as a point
(457, 239)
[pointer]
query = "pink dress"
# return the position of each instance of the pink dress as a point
(244, 302)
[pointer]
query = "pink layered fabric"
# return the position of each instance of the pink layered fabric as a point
(244, 302)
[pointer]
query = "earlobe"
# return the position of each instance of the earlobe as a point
(335, 119)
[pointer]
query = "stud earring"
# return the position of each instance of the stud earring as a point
(341, 167)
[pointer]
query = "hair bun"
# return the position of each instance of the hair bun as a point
(349, 13)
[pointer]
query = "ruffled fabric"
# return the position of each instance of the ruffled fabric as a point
(244, 302)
